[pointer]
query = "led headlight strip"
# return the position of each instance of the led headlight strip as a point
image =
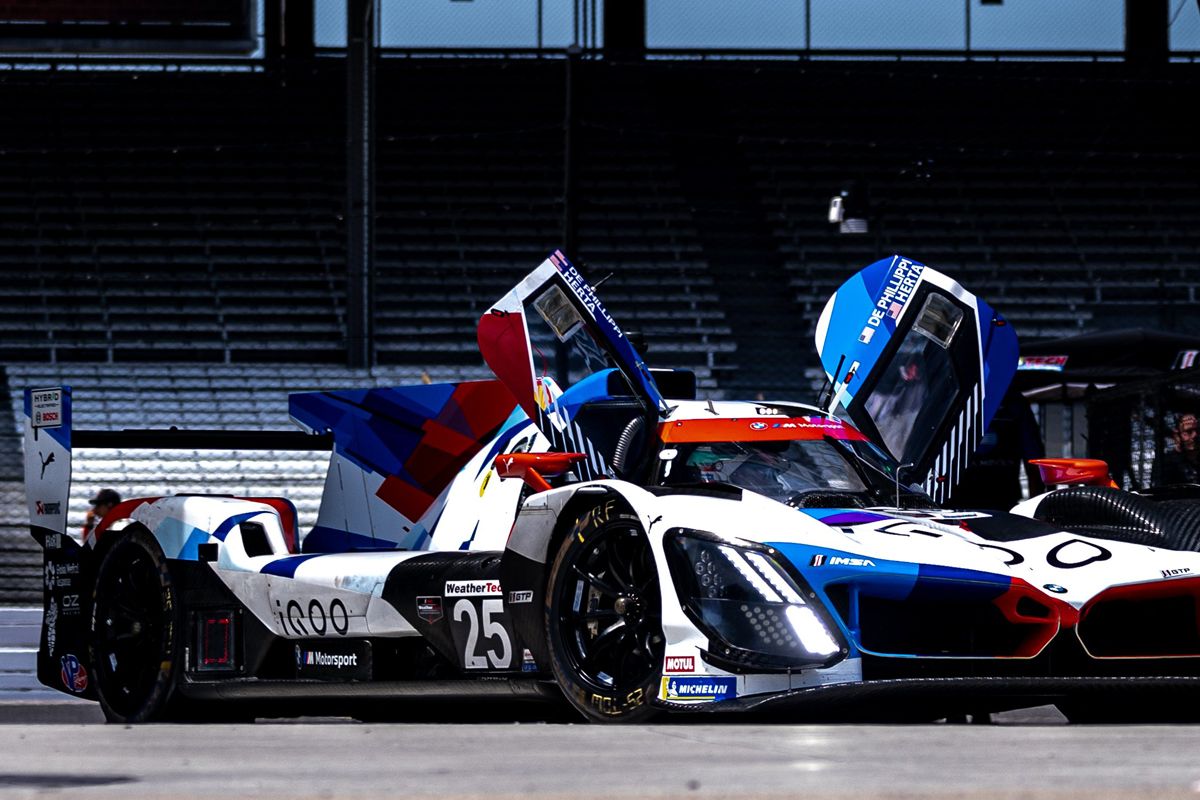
(755, 612)
(756, 580)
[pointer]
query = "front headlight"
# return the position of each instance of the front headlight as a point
(754, 612)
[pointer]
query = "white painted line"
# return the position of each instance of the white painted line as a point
(4, 650)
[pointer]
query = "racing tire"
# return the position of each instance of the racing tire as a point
(136, 630)
(604, 617)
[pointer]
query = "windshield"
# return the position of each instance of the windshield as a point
(790, 470)
(915, 392)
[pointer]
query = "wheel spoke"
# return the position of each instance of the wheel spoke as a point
(129, 612)
(620, 567)
(598, 614)
(605, 642)
(601, 585)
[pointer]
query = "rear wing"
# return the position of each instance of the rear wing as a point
(50, 439)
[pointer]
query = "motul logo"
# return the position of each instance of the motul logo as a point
(679, 664)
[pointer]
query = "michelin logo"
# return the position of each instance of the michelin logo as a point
(698, 689)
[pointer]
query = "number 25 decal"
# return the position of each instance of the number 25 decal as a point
(492, 629)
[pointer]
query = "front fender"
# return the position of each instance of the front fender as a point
(543, 521)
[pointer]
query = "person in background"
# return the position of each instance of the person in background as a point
(1183, 464)
(993, 477)
(104, 502)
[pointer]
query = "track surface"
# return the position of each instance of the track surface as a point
(53, 747)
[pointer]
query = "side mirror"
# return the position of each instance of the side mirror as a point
(531, 467)
(1074, 472)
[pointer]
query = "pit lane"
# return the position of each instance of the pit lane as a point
(51, 746)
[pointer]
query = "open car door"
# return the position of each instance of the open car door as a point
(918, 363)
(520, 336)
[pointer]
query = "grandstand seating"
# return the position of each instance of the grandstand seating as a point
(195, 218)
(198, 216)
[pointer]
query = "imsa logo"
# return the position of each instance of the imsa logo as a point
(820, 560)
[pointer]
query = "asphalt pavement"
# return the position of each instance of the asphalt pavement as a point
(53, 746)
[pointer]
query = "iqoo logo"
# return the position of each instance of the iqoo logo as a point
(314, 619)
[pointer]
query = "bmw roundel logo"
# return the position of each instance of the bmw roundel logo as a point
(1054, 587)
(758, 426)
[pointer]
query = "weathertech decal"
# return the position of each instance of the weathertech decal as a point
(472, 588)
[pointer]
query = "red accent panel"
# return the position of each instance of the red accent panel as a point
(530, 466)
(439, 456)
(119, 512)
(404, 497)
(287, 519)
(758, 429)
(505, 348)
(477, 408)
(1041, 630)
(1150, 590)
(1074, 471)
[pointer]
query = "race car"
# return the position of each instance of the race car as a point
(628, 547)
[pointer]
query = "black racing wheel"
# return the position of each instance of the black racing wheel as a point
(136, 630)
(604, 617)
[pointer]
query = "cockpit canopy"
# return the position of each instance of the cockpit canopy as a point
(800, 461)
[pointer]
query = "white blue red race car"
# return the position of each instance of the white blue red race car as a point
(637, 550)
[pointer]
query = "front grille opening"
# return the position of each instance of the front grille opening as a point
(949, 628)
(1140, 628)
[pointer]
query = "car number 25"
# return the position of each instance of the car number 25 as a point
(483, 621)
